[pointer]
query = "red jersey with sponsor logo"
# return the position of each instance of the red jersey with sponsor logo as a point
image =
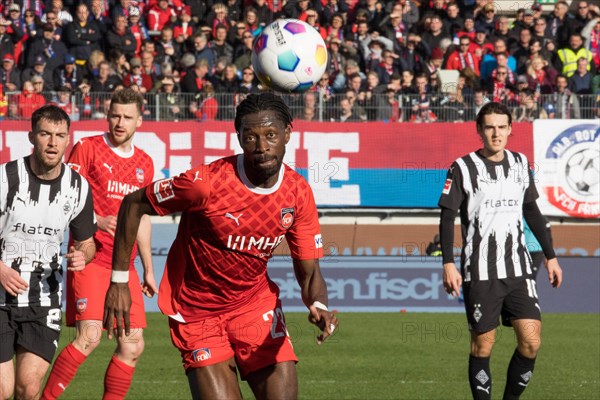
(112, 174)
(228, 231)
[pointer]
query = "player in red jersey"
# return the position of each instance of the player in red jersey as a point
(114, 168)
(225, 311)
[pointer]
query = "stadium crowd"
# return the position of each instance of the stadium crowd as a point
(191, 59)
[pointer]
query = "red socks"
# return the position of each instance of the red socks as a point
(65, 367)
(117, 379)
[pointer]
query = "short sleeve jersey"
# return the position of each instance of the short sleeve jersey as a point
(228, 231)
(112, 175)
(490, 196)
(34, 214)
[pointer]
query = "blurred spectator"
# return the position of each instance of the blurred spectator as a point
(39, 70)
(138, 77)
(206, 106)
(172, 104)
(452, 107)
(462, 58)
(520, 49)
(408, 9)
(309, 107)
(502, 29)
(467, 29)
(581, 81)
(195, 79)
(340, 79)
(435, 34)
(387, 67)
(486, 20)
(526, 23)
(263, 12)
(453, 22)
(339, 7)
(63, 15)
(412, 56)
(51, 50)
(479, 100)
(120, 37)
(583, 16)
(243, 54)
(63, 100)
(50, 17)
(293, 9)
(150, 67)
(138, 28)
(167, 49)
(323, 88)
(499, 88)
(218, 16)
(28, 101)
(202, 51)
(565, 103)
(407, 85)
(539, 32)
(159, 15)
(247, 83)
(219, 44)
(105, 82)
(357, 100)
(335, 29)
(556, 23)
(118, 63)
(568, 56)
(502, 61)
(423, 113)
(92, 64)
(521, 83)
(591, 34)
(83, 35)
(481, 46)
(388, 107)
(15, 29)
(31, 27)
(528, 109)
(345, 112)
(235, 36)
(99, 13)
(10, 78)
(228, 82)
(251, 20)
(490, 62)
(184, 27)
(435, 62)
(312, 18)
(540, 76)
(394, 29)
(70, 74)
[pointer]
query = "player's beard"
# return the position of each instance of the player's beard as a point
(264, 173)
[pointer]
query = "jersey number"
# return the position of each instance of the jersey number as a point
(531, 290)
(276, 316)
(53, 319)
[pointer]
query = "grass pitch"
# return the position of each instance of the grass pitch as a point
(379, 356)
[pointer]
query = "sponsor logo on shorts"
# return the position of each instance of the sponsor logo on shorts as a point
(287, 217)
(81, 305)
(318, 241)
(201, 355)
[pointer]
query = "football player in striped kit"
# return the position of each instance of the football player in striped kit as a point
(40, 197)
(493, 190)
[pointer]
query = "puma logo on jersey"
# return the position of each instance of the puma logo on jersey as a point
(230, 216)
(197, 178)
(487, 389)
(109, 167)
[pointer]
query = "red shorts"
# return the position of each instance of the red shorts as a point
(86, 291)
(255, 334)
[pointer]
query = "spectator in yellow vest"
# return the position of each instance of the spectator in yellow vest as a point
(568, 56)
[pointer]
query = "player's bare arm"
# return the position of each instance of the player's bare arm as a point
(314, 295)
(11, 280)
(80, 254)
(107, 223)
(118, 297)
(144, 242)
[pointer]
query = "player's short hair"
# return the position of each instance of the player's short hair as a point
(255, 103)
(492, 108)
(128, 96)
(50, 113)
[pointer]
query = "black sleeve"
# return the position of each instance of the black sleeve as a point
(531, 193)
(452, 194)
(537, 223)
(447, 234)
(83, 226)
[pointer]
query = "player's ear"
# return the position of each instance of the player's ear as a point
(139, 122)
(288, 132)
(30, 136)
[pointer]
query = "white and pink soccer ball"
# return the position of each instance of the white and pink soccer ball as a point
(289, 56)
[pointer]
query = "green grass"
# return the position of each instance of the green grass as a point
(379, 356)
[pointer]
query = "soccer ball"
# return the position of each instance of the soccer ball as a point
(289, 56)
(583, 172)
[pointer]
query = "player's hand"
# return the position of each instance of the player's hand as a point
(149, 285)
(554, 272)
(75, 259)
(452, 280)
(117, 305)
(326, 321)
(11, 280)
(107, 224)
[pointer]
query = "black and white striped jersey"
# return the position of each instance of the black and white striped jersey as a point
(34, 215)
(490, 197)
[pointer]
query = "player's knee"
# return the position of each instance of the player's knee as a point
(86, 344)
(131, 347)
(28, 390)
(530, 348)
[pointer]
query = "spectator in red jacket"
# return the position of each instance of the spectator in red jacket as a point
(137, 76)
(463, 58)
(160, 15)
(28, 101)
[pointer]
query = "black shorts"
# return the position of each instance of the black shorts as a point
(510, 298)
(36, 329)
